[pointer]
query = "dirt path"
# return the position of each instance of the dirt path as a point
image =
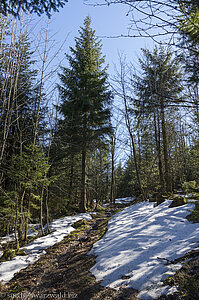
(63, 273)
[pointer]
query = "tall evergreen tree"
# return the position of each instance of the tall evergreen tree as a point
(159, 87)
(85, 98)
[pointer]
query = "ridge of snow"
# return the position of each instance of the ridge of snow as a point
(139, 243)
(60, 228)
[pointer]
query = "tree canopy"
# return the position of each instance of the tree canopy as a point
(86, 97)
(157, 19)
(32, 6)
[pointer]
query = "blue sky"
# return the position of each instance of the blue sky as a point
(107, 21)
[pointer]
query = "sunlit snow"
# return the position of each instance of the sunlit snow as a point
(138, 245)
(135, 252)
(60, 228)
(121, 201)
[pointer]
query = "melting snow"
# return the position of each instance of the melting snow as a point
(121, 201)
(134, 252)
(60, 228)
(139, 243)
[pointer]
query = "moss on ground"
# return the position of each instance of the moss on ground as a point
(187, 282)
(66, 266)
(194, 215)
(178, 201)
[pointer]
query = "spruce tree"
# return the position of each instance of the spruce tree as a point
(158, 88)
(86, 99)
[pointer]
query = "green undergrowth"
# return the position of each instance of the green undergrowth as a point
(71, 259)
(177, 200)
(80, 224)
(187, 282)
(84, 225)
(15, 289)
(194, 196)
(10, 250)
(158, 197)
(103, 229)
(194, 215)
(189, 186)
(100, 208)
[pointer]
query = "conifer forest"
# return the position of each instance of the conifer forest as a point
(93, 137)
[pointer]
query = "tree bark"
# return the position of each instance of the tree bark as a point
(41, 210)
(47, 210)
(112, 191)
(128, 125)
(158, 148)
(83, 183)
(71, 178)
(16, 224)
(134, 149)
(165, 148)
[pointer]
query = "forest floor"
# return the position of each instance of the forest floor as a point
(64, 271)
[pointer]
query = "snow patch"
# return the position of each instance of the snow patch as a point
(121, 201)
(60, 228)
(124, 200)
(138, 245)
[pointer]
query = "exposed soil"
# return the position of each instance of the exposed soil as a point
(63, 273)
(186, 279)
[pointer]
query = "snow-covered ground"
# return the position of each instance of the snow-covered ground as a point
(134, 252)
(60, 228)
(139, 243)
(121, 201)
(124, 200)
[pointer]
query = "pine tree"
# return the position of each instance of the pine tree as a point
(159, 87)
(189, 21)
(85, 98)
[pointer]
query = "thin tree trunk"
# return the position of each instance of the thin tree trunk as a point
(83, 183)
(71, 178)
(40, 88)
(112, 193)
(10, 83)
(139, 149)
(134, 149)
(158, 148)
(47, 211)
(41, 211)
(128, 125)
(165, 148)
(27, 220)
(16, 225)
(21, 218)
